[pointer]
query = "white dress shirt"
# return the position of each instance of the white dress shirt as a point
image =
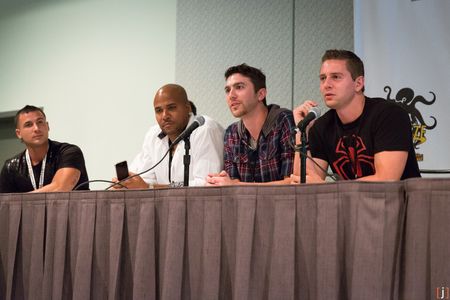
(206, 155)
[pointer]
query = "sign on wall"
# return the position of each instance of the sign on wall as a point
(404, 45)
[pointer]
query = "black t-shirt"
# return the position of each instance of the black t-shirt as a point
(349, 149)
(14, 177)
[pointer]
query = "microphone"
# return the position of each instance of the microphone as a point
(199, 121)
(313, 114)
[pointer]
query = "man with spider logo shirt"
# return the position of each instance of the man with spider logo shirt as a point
(360, 138)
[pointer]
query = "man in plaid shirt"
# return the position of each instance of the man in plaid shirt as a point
(259, 147)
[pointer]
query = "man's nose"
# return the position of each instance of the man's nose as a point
(327, 82)
(165, 114)
(232, 94)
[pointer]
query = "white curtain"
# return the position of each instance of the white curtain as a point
(405, 45)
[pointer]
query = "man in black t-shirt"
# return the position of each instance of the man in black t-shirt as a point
(45, 165)
(359, 137)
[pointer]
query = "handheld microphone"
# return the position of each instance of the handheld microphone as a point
(313, 114)
(199, 121)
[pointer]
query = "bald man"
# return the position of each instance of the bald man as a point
(173, 113)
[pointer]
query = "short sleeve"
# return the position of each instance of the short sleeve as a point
(392, 130)
(71, 157)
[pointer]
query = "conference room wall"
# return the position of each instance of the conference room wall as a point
(285, 38)
(93, 65)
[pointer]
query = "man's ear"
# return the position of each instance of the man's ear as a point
(262, 92)
(19, 136)
(359, 83)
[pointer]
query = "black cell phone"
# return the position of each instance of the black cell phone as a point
(122, 170)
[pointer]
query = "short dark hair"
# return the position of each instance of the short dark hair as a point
(27, 109)
(256, 76)
(354, 64)
(193, 107)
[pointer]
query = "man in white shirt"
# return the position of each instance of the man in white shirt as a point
(173, 114)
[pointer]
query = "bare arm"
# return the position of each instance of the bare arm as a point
(64, 180)
(389, 165)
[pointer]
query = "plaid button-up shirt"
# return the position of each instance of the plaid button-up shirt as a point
(273, 157)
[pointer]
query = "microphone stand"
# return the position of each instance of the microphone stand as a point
(302, 153)
(186, 160)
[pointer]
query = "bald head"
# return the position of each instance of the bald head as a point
(172, 109)
(173, 91)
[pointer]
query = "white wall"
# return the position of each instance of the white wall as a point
(93, 65)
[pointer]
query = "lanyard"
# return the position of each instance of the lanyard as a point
(31, 173)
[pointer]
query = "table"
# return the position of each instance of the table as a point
(342, 240)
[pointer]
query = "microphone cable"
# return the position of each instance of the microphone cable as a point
(140, 173)
(297, 148)
(96, 180)
(129, 177)
(333, 176)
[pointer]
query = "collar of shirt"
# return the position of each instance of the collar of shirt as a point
(272, 117)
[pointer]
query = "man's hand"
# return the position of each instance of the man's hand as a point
(135, 182)
(221, 178)
(310, 178)
(301, 111)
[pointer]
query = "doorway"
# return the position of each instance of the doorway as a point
(10, 145)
